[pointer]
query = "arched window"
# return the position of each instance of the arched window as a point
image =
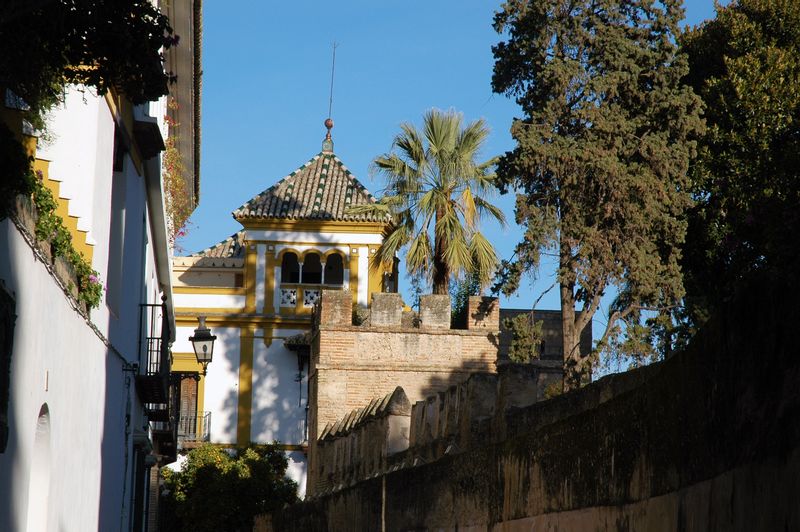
(334, 269)
(290, 269)
(312, 269)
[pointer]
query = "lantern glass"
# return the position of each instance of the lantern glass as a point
(203, 343)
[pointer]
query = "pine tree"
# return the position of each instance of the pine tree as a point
(602, 152)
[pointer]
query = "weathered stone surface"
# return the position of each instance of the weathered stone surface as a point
(336, 308)
(707, 440)
(483, 313)
(386, 310)
(434, 311)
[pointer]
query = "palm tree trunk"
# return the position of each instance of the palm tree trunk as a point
(441, 271)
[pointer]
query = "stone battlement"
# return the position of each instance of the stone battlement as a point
(353, 364)
(386, 311)
(389, 434)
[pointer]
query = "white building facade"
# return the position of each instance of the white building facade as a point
(85, 421)
(257, 290)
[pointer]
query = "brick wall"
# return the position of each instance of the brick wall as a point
(352, 365)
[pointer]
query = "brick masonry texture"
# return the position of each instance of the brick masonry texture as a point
(352, 365)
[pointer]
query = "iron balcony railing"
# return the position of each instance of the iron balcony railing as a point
(194, 427)
(154, 332)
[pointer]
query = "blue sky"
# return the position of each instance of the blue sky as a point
(266, 82)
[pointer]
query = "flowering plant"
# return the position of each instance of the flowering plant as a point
(178, 200)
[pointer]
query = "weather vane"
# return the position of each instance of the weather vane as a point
(327, 144)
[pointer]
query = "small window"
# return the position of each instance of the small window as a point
(334, 269)
(290, 269)
(312, 269)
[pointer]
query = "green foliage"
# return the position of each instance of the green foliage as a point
(50, 229)
(97, 43)
(460, 292)
(436, 195)
(745, 64)
(222, 490)
(602, 151)
(526, 337)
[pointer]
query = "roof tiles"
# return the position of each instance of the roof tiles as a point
(230, 248)
(321, 189)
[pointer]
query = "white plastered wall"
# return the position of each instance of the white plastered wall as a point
(221, 395)
(59, 361)
(280, 399)
(223, 301)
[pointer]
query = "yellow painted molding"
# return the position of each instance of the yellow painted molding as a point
(290, 243)
(329, 226)
(245, 402)
(212, 290)
(185, 362)
(205, 311)
(268, 336)
(237, 321)
(122, 111)
(250, 276)
(62, 211)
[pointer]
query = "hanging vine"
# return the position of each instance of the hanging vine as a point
(177, 195)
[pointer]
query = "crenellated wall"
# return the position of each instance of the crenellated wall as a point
(351, 365)
(390, 434)
(706, 440)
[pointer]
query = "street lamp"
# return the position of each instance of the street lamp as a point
(203, 343)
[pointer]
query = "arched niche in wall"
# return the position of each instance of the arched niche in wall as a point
(334, 269)
(312, 269)
(290, 268)
(39, 483)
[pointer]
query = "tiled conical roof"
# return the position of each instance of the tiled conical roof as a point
(321, 189)
(230, 248)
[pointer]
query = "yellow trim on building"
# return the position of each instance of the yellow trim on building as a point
(204, 311)
(250, 251)
(62, 211)
(245, 399)
(319, 226)
(122, 111)
(189, 319)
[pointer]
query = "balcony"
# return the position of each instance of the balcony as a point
(194, 428)
(152, 380)
(302, 296)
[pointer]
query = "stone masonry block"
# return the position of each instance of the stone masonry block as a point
(483, 313)
(336, 308)
(434, 311)
(387, 309)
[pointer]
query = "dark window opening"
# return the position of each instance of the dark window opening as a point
(290, 269)
(334, 269)
(312, 269)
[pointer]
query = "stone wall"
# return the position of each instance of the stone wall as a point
(707, 440)
(389, 433)
(351, 365)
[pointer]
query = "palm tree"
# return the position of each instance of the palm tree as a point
(435, 188)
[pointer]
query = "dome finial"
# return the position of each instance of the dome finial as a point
(327, 144)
